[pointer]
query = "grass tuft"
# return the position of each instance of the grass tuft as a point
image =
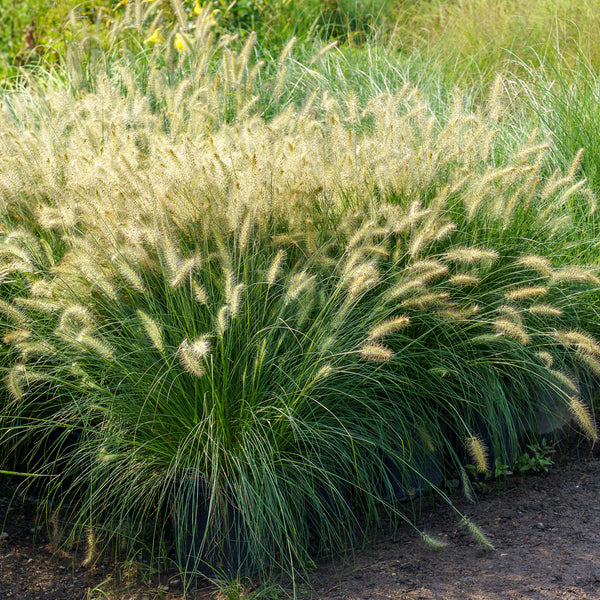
(294, 274)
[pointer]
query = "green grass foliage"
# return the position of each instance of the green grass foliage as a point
(216, 259)
(35, 34)
(475, 40)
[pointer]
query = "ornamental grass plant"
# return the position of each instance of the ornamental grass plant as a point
(305, 303)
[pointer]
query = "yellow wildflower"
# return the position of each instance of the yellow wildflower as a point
(155, 38)
(178, 42)
(197, 8)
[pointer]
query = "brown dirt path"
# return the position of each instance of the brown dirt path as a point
(546, 533)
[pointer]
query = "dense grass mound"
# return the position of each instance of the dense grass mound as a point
(310, 304)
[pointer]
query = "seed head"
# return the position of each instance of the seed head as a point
(583, 342)
(427, 300)
(512, 330)
(433, 542)
(275, 267)
(16, 336)
(245, 231)
(75, 317)
(443, 231)
(323, 373)
(536, 263)
(459, 314)
(466, 485)
(574, 275)
(189, 359)
(153, 330)
(92, 547)
(477, 534)
(38, 347)
(229, 284)
(184, 271)
(14, 382)
(130, 275)
(478, 452)
(523, 293)
(388, 327)
(15, 266)
(201, 347)
(40, 288)
(106, 288)
(236, 300)
(427, 266)
(566, 382)
(544, 310)
(101, 347)
(583, 417)
(592, 363)
(464, 279)
(199, 292)
(43, 305)
(298, 284)
(18, 318)
(469, 255)
(427, 270)
(363, 278)
(19, 375)
(222, 320)
(510, 312)
(404, 288)
(376, 352)
(546, 358)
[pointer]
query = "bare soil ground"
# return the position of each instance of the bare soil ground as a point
(545, 529)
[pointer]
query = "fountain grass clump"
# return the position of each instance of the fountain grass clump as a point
(306, 310)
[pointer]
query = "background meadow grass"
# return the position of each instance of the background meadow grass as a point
(315, 269)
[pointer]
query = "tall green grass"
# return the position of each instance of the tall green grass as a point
(286, 276)
(565, 102)
(479, 39)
